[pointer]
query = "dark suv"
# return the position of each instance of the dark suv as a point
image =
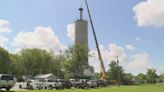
(66, 84)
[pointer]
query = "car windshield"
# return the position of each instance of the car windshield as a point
(36, 80)
(50, 81)
(33, 81)
(6, 77)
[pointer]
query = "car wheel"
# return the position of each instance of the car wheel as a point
(57, 88)
(31, 87)
(50, 87)
(8, 89)
(20, 86)
(39, 88)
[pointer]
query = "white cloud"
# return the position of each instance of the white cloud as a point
(140, 62)
(130, 47)
(94, 60)
(96, 67)
(108, 54)
(41, 37)
(139, 39)
(4, 26)
(71, 31)
(117, 51)
(3, 40)
(150, 13)
(17, 50)
(104, 53)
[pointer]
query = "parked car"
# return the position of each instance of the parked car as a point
(78, 83)
(50, 84)
(6, 81)
(31, 84)
(84, 83)
(102, 83)
(92, 83)
(66, 84)
(58, 85)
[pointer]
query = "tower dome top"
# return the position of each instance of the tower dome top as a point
(81, 13)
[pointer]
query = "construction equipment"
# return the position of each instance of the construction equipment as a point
(102, 68)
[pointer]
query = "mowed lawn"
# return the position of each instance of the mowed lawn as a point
(137, 88)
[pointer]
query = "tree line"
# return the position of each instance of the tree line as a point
(38, 61)
(117, 74)
(63, 65)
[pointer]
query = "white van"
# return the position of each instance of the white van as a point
(6, 81)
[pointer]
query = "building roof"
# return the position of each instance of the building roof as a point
(43, 76)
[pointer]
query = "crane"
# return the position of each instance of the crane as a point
(102, 68)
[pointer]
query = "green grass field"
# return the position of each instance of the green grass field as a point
(138, 88)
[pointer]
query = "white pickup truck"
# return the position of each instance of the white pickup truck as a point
(6, 81)
(31, 84)
(50, 84)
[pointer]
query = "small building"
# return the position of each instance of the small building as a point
(89, 71)
(50, 76)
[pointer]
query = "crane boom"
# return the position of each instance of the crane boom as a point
(102, 71)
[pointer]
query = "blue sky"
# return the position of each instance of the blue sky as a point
(133, 29)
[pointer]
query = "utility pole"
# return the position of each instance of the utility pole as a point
(59, 68)
(118, 74)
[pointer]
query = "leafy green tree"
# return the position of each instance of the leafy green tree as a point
(16, 67)
(140, 76)
(127, 78)
(67, 64)
(4, 61)
(115, 71)
(36, 61)
(161, 76)
(97, 76)
(74, 63)
(151, 75)
(57, 65)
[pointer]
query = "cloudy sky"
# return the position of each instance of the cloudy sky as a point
(130, 29)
